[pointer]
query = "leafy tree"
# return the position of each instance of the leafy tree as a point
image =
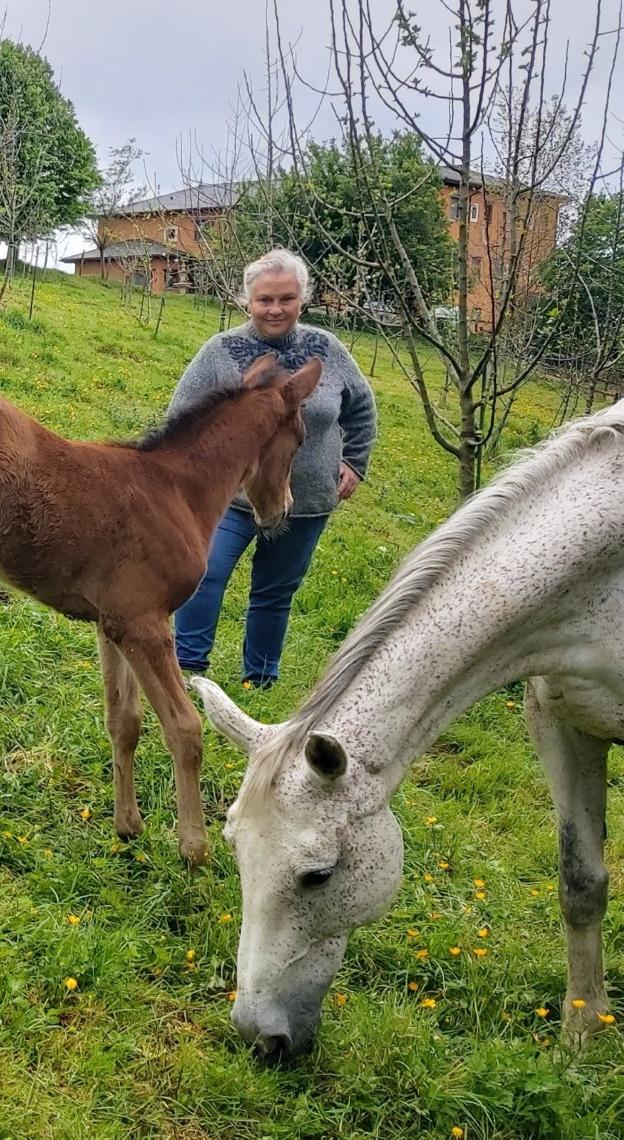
(323, 215)
(585, 283)
(49, 166)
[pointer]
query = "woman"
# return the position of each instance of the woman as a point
(340, 426)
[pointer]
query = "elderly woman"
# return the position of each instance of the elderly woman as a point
(339, 421)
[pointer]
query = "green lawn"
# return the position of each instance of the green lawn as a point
(143, 1046)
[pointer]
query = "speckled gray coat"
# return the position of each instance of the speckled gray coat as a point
(339, 417)
(526, 580)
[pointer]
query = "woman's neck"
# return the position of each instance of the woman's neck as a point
(284, 341)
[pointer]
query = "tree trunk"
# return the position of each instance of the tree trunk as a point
(468, 447)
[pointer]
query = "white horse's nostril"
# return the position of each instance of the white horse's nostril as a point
(275, 1048)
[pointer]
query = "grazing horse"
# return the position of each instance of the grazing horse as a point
(526, 580)
(118, 534)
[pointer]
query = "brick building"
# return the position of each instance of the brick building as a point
(157, 241)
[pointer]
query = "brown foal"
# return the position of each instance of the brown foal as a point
(118, 534)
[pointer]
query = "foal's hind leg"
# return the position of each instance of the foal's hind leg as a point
(149, 649)
(575, 765)
(123, 721)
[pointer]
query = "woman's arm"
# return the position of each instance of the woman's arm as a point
(358, 417)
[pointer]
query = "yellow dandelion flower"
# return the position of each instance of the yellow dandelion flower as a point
(483, 932)
(140, 858)
(457, 1133)
(225, 918)
(115, 847)
(444, 866)
(479, 883)
(422, 955)
(341, 999)
(606, 1018)
(73, 919)
(190, 955)
(427, 877)
(412, 933)
(428, 1003)
(85, 813)
(48, 853)
(246, 684)
(7, 834)
(436, 915)
(413, 986)
(550, 886)
(71, 984)
(480, 895)
(232, 995)
(479, 951)
(22, 839)
(510, 704)
(535, 893)
(578, 1003)
(455, 950)
(431, 820)
(541, 1011)
(229, 766)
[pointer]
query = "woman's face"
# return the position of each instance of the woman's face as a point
(275, 303)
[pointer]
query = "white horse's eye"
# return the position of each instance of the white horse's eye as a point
(312, 879)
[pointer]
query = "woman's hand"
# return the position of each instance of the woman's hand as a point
(348, 481)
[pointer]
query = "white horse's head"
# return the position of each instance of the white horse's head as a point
(319, 853)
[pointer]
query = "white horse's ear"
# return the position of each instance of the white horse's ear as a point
(325, 755)
(227, 718)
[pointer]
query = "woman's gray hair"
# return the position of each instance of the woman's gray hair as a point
(277, 261)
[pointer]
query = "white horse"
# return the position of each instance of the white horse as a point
(526, 580)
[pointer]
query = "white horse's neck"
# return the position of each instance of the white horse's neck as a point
(511, 605)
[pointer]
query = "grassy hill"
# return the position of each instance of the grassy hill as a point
(143, 1046)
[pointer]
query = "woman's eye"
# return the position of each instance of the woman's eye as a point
(313, 879)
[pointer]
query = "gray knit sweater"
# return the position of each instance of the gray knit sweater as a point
(339, 416)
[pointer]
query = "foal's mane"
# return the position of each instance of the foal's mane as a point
(176, 425)
(421, 570)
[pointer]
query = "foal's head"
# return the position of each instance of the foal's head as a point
(267, 482)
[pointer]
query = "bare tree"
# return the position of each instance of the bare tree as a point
(396, 67)
(117, 189)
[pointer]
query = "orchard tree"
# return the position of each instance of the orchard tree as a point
(47, 165)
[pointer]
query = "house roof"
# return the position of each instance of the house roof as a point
(122, 249)
(204, 196)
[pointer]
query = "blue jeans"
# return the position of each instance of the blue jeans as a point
(277, 570)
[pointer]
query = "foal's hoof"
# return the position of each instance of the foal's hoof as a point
(194, 849)
(129, 827)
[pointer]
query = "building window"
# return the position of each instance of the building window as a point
(454, 207)
(171, 233)
(474, 212)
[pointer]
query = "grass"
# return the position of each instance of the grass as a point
(143, 1046)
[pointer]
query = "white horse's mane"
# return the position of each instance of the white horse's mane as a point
(420, 571)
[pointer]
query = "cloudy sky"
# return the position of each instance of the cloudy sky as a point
(166, 71)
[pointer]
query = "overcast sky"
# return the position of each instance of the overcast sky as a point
(161, 70)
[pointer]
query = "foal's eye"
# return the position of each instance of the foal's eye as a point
(312, 879)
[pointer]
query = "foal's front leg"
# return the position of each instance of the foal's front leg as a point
(148, 648)
(576, 769)
(123, 721)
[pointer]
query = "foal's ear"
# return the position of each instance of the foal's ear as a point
(261, 372)
(302, 383)
(325, 755)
